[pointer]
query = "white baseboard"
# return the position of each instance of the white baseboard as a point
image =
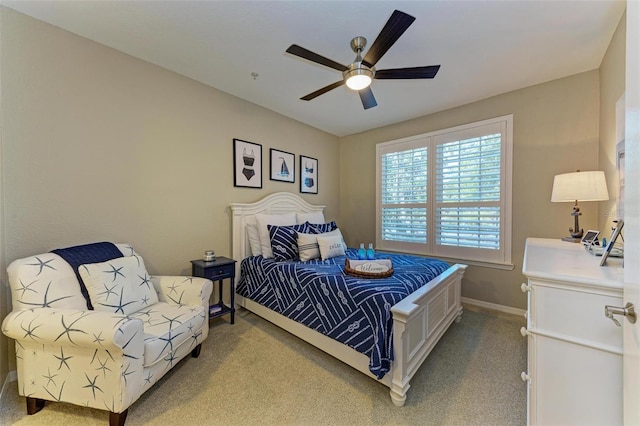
(11, 377)
(494, 306)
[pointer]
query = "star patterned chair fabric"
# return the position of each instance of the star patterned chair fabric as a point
(104, 358)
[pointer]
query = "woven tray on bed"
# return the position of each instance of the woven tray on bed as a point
(362, 274)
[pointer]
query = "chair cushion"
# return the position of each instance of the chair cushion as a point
(87, 253)
(120, 285)
(44, 281)
(167, 327)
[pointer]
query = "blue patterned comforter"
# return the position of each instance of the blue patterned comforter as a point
(351, 310)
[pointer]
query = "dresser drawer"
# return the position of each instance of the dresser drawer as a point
(564, 311)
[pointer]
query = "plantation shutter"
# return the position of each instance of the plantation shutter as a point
(469, 192)
(403, 192)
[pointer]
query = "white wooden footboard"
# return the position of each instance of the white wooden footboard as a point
(419, 320)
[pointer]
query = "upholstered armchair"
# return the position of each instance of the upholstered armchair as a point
(92, 328)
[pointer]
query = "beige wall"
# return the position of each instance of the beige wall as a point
(612, 84)
(99, 145)
(555, 131)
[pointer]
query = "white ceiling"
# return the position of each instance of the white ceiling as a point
(484, 47)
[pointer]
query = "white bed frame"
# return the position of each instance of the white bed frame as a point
(419, 320)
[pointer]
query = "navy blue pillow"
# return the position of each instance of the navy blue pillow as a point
(284, 241)
(322, 228)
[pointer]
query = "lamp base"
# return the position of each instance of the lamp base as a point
(571, 239)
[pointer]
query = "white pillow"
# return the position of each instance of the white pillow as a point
(262, 220)
(313, 217)
(254, 239)
(330, 246)
(121, 285)
(308, 244)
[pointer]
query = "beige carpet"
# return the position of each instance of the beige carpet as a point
(253, 373)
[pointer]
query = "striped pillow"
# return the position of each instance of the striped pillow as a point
(308, 246)
(322, 228)
(284, 241)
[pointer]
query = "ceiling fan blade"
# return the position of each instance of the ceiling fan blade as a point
(322, 91)
(408, 73)
(294, 49)
(391, 32)
(367, 98)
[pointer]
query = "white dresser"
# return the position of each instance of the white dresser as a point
(574, 372)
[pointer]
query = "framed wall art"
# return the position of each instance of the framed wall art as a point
(247, 164)
(308, 175)
(283, 166)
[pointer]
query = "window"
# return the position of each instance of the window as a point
(448, 193)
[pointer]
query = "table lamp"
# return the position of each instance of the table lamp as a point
(578, 186)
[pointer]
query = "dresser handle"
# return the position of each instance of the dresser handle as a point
(628, 311)
(525, 287)
(526, 314)
(525, 332)
(525, 377)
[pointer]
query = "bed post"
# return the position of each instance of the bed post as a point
(400, 379)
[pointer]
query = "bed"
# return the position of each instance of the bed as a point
(418, 320)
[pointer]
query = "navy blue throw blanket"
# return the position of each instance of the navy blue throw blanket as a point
(88, 253)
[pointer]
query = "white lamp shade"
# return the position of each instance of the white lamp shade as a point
(579, 186)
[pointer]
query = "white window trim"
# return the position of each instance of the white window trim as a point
(504, 261)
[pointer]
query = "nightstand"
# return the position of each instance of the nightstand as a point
(218, 270)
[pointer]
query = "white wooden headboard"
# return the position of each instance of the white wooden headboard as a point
(243, 214)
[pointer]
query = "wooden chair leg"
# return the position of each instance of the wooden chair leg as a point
(117, 419)
(34, 405)
(196, 351)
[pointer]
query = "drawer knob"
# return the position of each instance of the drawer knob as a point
(525, 287)
(525, 377)
(525, 332)
(526, 314)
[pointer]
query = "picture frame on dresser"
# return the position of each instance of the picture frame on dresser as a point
(308, 175)
(614, 236)
(247, 164)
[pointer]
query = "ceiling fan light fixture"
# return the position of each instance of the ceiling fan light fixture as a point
(359, 75)
(358, 78)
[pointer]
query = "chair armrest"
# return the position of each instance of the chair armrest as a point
(183, 290)
(83, 329)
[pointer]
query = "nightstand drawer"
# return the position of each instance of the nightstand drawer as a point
(218, 273)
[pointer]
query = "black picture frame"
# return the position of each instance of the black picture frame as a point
(612, 241)
(308, 175)
(247, 164)
(282, 166)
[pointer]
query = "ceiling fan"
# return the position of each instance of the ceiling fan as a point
(359, 74)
